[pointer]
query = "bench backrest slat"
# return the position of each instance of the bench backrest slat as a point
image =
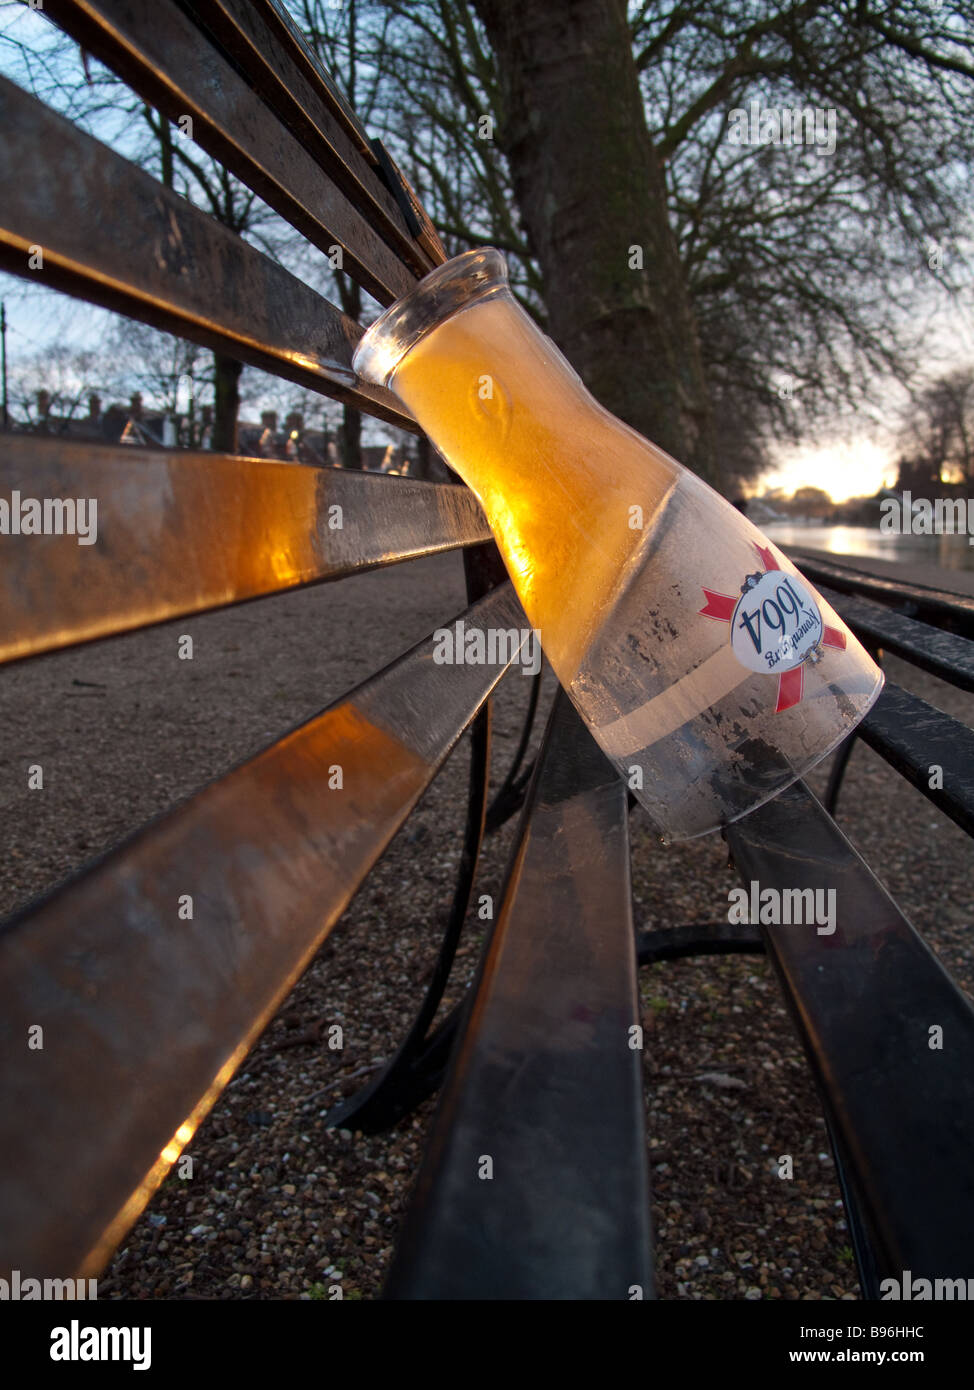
(263, 42)
(183, 532)
(947, 609)
(164, 57)
(112, 234)
(915, 737)
(864, 999)
(943, 654)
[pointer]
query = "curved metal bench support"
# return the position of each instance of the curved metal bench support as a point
(417, 1067)
(510, 796)
(837, 773)
(698, 939)
(409, 1078)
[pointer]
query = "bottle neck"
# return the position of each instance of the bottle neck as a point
(497, 399)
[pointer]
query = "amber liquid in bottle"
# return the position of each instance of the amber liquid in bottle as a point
(554, 472)
(611, 546)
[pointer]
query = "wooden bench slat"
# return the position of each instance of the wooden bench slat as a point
(263, 44)
(950, 611)
(915, 737)
(282, 26)
(182, 532)
(278, 26)
(943, 654)
(160, 53)
(146, 1016)
(864, 1000)
(544, 1081)
(112, 234)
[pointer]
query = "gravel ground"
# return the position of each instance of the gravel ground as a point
(280, 1207)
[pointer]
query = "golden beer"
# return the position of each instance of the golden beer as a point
(707, 668)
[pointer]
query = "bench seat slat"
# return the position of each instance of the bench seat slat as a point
(914, 737)
(544, 1082)
(948, 610)
(182, 532)
(864, 999)
(112, 234)
(146, 1016)
(943, 654)
(160, 54)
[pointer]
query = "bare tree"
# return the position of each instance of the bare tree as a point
(801, 262)
(590, 185)
(49, 388)
(174, 374)
(937, 439)
(806, 260)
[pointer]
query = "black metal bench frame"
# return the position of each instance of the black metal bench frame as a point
(539, 1074)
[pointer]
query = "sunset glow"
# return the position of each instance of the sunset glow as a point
(850, 468)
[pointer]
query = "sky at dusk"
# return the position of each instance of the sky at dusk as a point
(853, 467)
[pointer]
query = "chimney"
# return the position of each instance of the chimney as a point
(294, 423)
(44, 404)
(269, 420)
(94, 408)
(135, 405)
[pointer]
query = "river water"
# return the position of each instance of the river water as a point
(952, 552)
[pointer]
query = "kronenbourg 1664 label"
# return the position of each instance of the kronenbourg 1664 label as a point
(776, 623)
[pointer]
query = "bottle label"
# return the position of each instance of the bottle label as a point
(775, 626)
(776, 623)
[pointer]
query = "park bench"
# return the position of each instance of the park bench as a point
(147, 1015)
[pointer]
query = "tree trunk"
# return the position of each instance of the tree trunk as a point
(592, 197)
(350, 434)
(226, 380)
(350, 437)
(429, 467)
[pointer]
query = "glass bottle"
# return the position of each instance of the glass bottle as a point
(710, 671)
